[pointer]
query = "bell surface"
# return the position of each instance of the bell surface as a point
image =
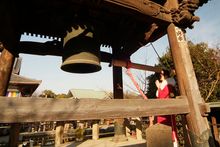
(82, 62)
(81, 51)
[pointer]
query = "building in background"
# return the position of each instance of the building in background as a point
(20, 86)
(88, 93)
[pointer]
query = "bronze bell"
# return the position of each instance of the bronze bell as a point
(81, 51)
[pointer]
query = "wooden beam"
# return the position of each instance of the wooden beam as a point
(145, 7)
(53, 48)
(122, 63)
(28, 109)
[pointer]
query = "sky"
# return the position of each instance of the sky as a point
(47, 68)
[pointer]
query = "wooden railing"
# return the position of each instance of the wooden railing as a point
(16, 110)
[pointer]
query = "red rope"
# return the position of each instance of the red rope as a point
(134, 81)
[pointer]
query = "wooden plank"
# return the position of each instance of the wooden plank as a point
(122, 63)
(45, 109)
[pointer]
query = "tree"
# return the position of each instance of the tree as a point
(62, 95)
(206, 63)
(51, 94)
(48, 94)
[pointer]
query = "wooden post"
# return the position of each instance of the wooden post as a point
(10, 39)
(95, 131)
(118, 94)
(127, 127)
(14, 135)
(117, 83)
(6, 64)
(138, 129)
(59, 133)
(198, 128)
(127, 131)
(215, 129)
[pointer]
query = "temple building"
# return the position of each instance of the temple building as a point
(20, 86)
(85, 93)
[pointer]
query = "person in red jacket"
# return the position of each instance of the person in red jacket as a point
(165, 90)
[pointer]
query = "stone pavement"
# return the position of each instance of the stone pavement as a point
(107, 142)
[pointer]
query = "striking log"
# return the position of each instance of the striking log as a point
(122, 63)
(42, 109)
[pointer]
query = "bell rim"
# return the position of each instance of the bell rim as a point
(74, 68)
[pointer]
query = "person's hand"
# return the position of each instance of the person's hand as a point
(172, 95)
(157, 83)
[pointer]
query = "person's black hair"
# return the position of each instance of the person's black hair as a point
(166, 72)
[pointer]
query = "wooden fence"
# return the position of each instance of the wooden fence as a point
(16, 110)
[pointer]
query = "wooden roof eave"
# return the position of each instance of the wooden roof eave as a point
(142, 11)
(149, 12)
(146, 7)
(17, 79)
